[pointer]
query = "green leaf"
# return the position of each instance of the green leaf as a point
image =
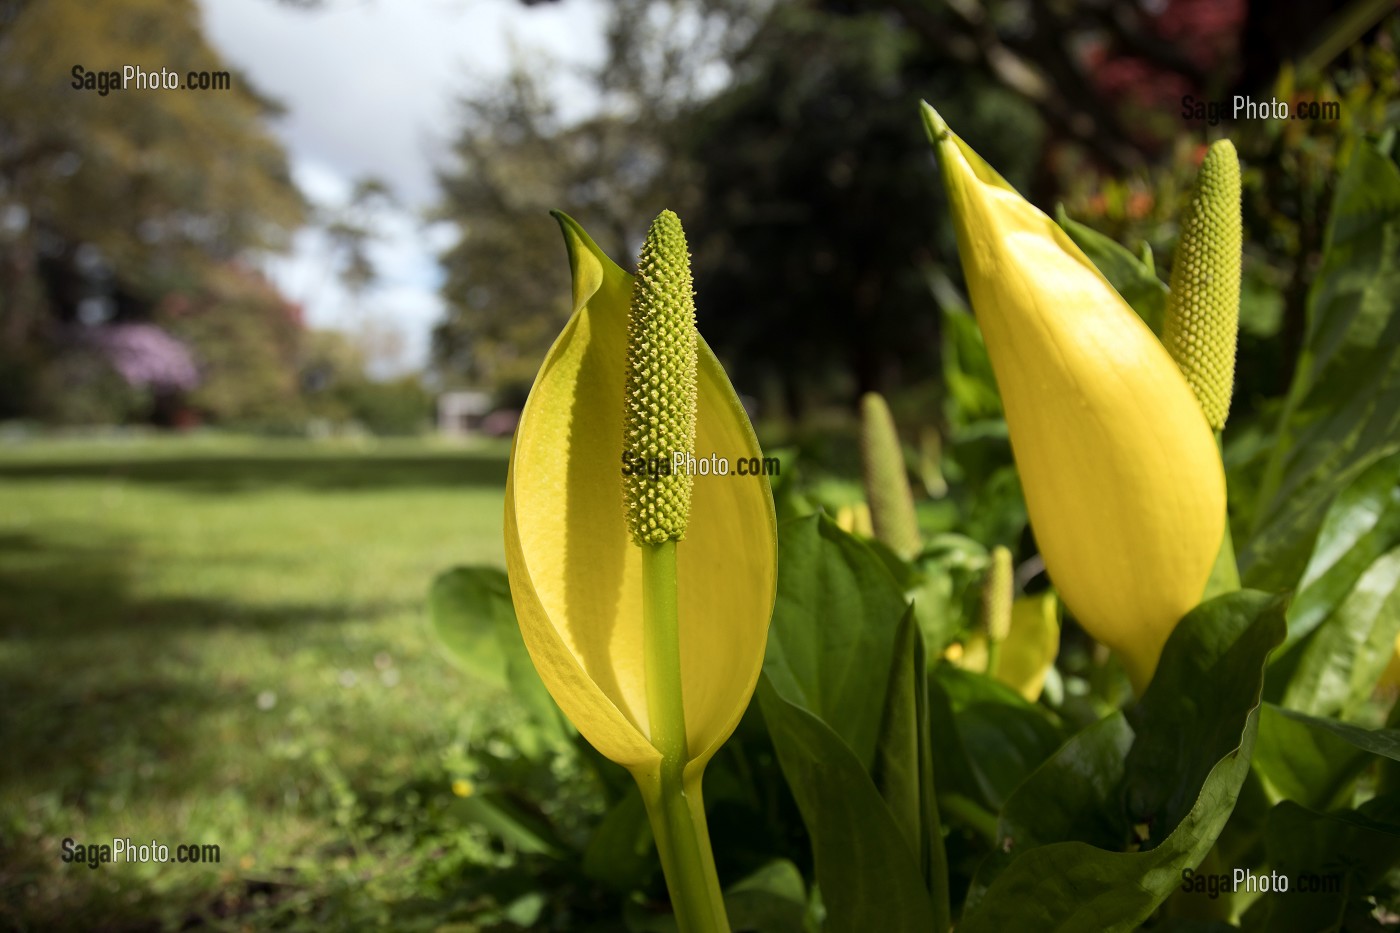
(864, 866)
(938, 583)
(621, 852)
(832, 640)
(472, 615)
(988, 737)
(515, 823)
(1195, 709)
(1129, 275)
(467, 606)
(1346, 616)
(1332, 861)
(1343, 409)
(1305, 759)
(904, 764)
(1063, 873)
(1076, 795)
(772, 899)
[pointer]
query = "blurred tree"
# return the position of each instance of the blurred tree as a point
(108, 200)
(819, 208)
(351, 231)
(338, 389)
(246, 339)
(518, 156)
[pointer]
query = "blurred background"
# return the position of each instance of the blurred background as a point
(262, 349)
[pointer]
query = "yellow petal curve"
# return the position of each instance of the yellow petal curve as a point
(575, 574)
(1121, 473)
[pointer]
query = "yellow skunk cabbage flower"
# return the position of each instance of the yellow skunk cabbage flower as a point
(580, 526)
(1023, 658)
(1121, 474)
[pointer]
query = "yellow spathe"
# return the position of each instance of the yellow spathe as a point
(1120, 469)
(575, 574)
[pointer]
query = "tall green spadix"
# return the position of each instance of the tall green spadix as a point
(660, 396)
(886, 480)
(1203, 309)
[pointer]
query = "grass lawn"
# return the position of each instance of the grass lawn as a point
(217, 640)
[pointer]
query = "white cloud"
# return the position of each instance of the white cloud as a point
(369, 87)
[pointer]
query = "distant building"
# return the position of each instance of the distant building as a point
(461, 413)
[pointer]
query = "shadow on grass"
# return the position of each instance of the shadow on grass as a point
(81, 692)
(226, 474)
(97, 715)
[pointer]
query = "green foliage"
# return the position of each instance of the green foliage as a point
(857, 759)
(989, 738)
(1313, 761)
(1345, 853)
(472, 616)
(1343, 409)
(112, 201)
(245, 337)
(1346, 616)
(828, 574)
(1174, 765)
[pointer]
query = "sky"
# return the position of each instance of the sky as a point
(369, 89)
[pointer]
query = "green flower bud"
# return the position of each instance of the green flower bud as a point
(886, 482)
(1203, 309)
(660, 395)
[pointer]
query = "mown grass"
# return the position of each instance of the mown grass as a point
(222, 641)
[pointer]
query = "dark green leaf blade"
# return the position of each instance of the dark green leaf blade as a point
(1194, 711)
(832, 640)
(471, 612)
(1343, 410)
(1331, 862)
(1205, 694)
(997, 736)
(1346, 616)
(868, 875)
(1302, 759)
(904, 764)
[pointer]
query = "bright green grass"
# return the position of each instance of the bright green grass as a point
(219, 640)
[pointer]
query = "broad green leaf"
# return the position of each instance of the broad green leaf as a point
(1194, 712)
(1129, 275)
(832, 640)
(1304, 759)
(1332, 861)
(1345, 618)
(904, 764)
(773, 899)
(988, 737)
(938, 583)
(1360, 527)
(466, 606)
(869, 877)
(472, 615)
(1343, 410)
(621, 852)
(1076, 795)
(1202, 703)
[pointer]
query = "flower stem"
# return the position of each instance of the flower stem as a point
(674, 805)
